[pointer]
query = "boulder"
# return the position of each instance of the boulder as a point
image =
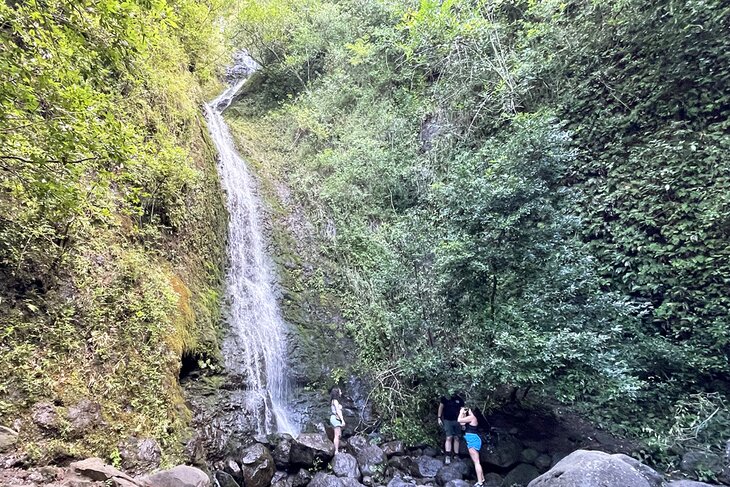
(425, 466)
(257, 466)
(543, 462)
(399, 482)
(345, 465)
(180, 476)
(301, 478)
(7, 441)
(401, 463)
(654, 478)
(430, 451)
(225, 479)
(458, 483)
(350, 482)
(701, 461)
(521, 475)
(529, 455)
(282, 451)
(232, 468)
(393, 448)
(325, 480)
(357, 443)
(45, 415)
(371, 460)
(492, 480)
(96, 469)
(582, 468)
(140, 455)
(447, 473)
(688, 483)
(310, 446)
(82, 417)
(504, 454)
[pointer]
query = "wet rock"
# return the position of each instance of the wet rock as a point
(257, 466)
(279, 476)
(400, 482)
(325, 480)
(96, 469)
(7, 441)
(447, 473)
(521, 475)
(282, 451)
(232, 468)
(505, 453)
(357, 443)
(695, 461)
(371, 460)
(426, 466)
(180, 476)
(582, 468)
(543, 462)
(345, 465)
(310, 446)
(492, 480)
(45, 415)
(301, 478)
(529, 455)
(83, 417)
(393, 448)
(225, 479)
(140, 455)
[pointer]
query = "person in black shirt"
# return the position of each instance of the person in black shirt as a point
(447, 418)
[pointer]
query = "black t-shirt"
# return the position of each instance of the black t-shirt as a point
(452, 407)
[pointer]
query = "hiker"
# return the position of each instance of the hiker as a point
(473, 441)
(336, 419)
(447, 417)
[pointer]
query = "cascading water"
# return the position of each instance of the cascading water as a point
(255, 347)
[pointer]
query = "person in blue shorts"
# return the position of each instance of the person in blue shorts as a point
(447, 415)
(473, 441)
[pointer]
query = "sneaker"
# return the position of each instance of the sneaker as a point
(479, 484)
(447, 460)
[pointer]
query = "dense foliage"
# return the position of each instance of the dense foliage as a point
(519, 194)
(111, 222)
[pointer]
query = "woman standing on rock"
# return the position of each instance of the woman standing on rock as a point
(336, 419)
(473, 442)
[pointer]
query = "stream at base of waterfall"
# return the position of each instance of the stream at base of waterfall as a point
(254, 346)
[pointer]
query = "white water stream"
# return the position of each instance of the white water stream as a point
(256, 346)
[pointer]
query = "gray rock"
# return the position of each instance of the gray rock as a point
(96, 469)
(458, 483)
(447, 473)
(399, 482)
(695, 461)
(425, 466)
(301, 478)
(310, 446)
(325, 480)
(282, 451)
(556, 457)
(492, 480)
(393, 448)
(357, 443)
(652, 476)
(529, 455)
(140, 455)
(7, 441)
(543, 462)
(587, 468)
(180, 476)
(350, 482)
(521, 475)
(45, 415)
(430, 451)
(401, 463)
(345, 465)
(225, 479)
(688, 483)
(83, 417)
(257, 466)
(505, 453)
(232, 468)
(371, 460)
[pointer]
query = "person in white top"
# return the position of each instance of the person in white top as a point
(336, 419)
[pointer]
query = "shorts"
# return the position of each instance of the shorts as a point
(473, 441)
(452, 428)
(335, 421)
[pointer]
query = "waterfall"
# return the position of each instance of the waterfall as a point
(255, 347)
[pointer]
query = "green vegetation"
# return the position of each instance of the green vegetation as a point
(514, 194)
(112, 226)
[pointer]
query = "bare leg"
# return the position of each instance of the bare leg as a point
(456, 446)
(447, 445)
(338, 432)
(474, 454)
